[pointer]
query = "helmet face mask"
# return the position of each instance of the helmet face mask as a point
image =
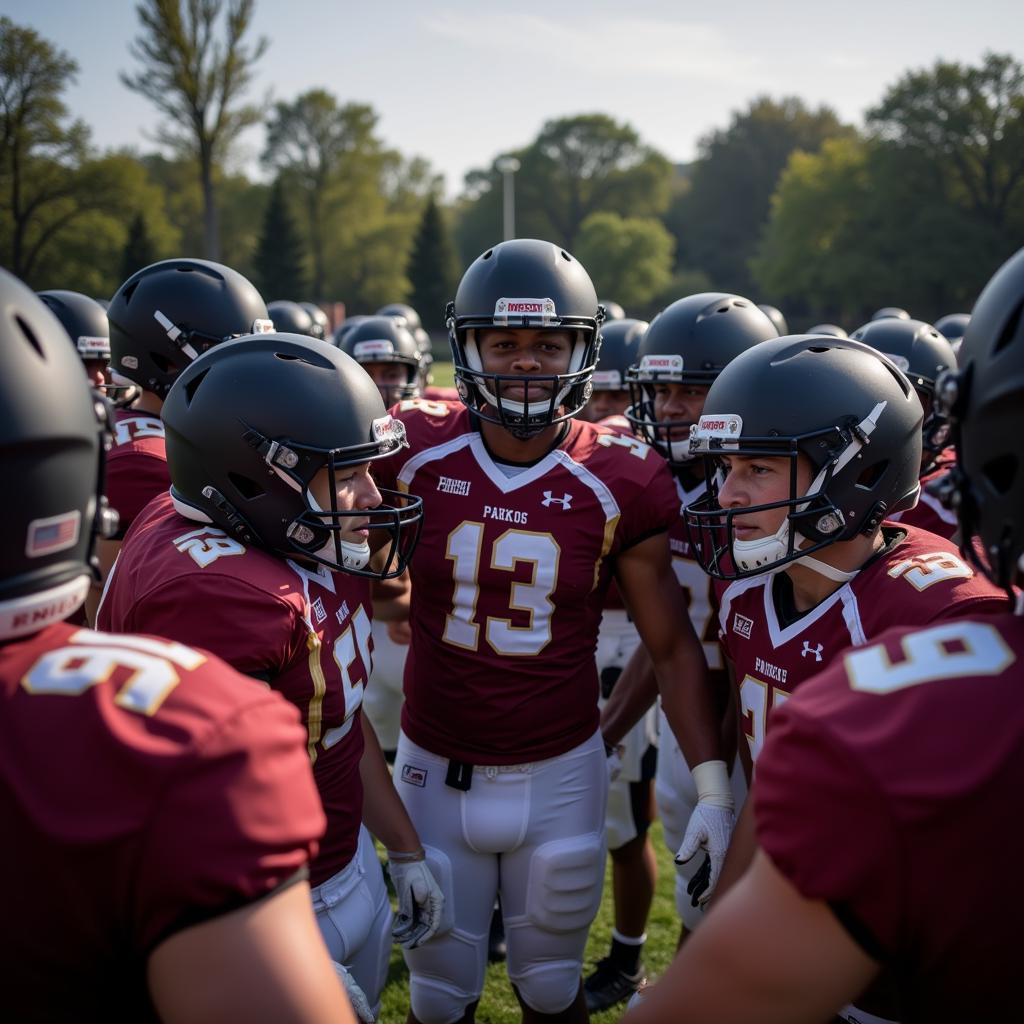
(857, 426)
(525, 284)
(245, 430)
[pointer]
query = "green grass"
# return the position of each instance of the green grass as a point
(443, 374)
(498, 1005)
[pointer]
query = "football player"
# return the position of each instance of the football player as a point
(159, 808)
(610, 397)
(793, 521)
(886, 774)
(161, 318)
(262, 552)
(922, 353)
(528, 515)
(85, 320)
(683, 351)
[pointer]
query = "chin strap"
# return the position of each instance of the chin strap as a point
(826, 570)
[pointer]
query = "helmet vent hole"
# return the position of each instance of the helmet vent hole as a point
(487, 255)
(565, 256)
(245, 486)
(818, 348)
(129, 292)
(30, 336)
(193, 386)
(871, 475)
(1001, 472)
(1010, 331)
(163, 365)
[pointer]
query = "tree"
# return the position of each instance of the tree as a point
(575, 167)
(139, 250)
(722, 215)
(968, 119)
(279, 255)
(433, 267)
(195, 70)
(628, 258)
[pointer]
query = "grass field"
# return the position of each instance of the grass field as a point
(498, 1004)
(443, 374)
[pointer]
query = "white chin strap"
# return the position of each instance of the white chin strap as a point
(761, 554)
(353, 556)
(521, 408)
(679, 451)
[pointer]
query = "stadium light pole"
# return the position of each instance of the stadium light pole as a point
(508, 165)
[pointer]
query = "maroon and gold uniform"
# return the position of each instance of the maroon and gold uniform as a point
(929, 513)
(881, 786)
(147, 787)
(509, 581)
(917, 579)
(305, 632)
(136, 465)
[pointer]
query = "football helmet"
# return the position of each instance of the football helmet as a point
(525, 283)
(250, 424)
(84, 319)
(385, 339)
(411, 317)
(829, 330)
(321, 323)
(922, 353)
(619, 341)
(689, 342)
(290, 318)
(890, 311)
(985, 401)
(952, 327)
(345, 326)
(612, 311)
(850, 411)
(52, 457)
(775, 315)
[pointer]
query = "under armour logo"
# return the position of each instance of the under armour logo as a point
(816, 651)
(549, 499)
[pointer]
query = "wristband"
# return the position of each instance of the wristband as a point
(712, 782)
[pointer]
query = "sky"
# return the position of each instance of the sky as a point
(461, 81)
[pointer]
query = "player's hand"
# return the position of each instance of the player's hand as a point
(356, 996)
(709, 829)
(698, 885)
(614, 761)
(420, 900)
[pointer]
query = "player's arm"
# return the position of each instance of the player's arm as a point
(264, 962)
(635, 691)
(420, 900)
(734, 968)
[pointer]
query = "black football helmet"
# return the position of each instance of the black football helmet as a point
(321, 323)
(290, 318)
(612, 311)
(829, 330)
(52, 457)
(922, 353)
(251, 423)
(619, 341)
(952, 327)
(84, 319)
(167, 314)
(525, 283)
(689, 342)
(849, 410)
(890, 311)
(984, 399)
(345, 326)
(775, 315)
(405, 311)
(385, 339)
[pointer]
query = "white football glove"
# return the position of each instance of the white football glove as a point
(356, 996)
(614, 762)
(711, 823)
(420, 901)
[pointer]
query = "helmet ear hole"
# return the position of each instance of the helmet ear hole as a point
(246, 486)
(869, 479)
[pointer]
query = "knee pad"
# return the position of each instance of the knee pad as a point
(565, 881)
(434, 1001)
(549, 987)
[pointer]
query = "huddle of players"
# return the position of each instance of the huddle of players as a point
(260, 544)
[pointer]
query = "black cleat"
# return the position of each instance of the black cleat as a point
(609, 985)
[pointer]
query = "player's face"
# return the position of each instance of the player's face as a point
(679, 403)
(525, 351)
(96, 372)
(389, 378)
(354, 490)
(753, 481)
(605, 403)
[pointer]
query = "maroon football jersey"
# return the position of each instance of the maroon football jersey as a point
(440, 393)
(509, 579)
(889, 787)
(920, 579)
(929, 513)
(146, 787)
(136, 465)
(305, 632)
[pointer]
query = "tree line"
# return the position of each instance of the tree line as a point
(786, 204)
